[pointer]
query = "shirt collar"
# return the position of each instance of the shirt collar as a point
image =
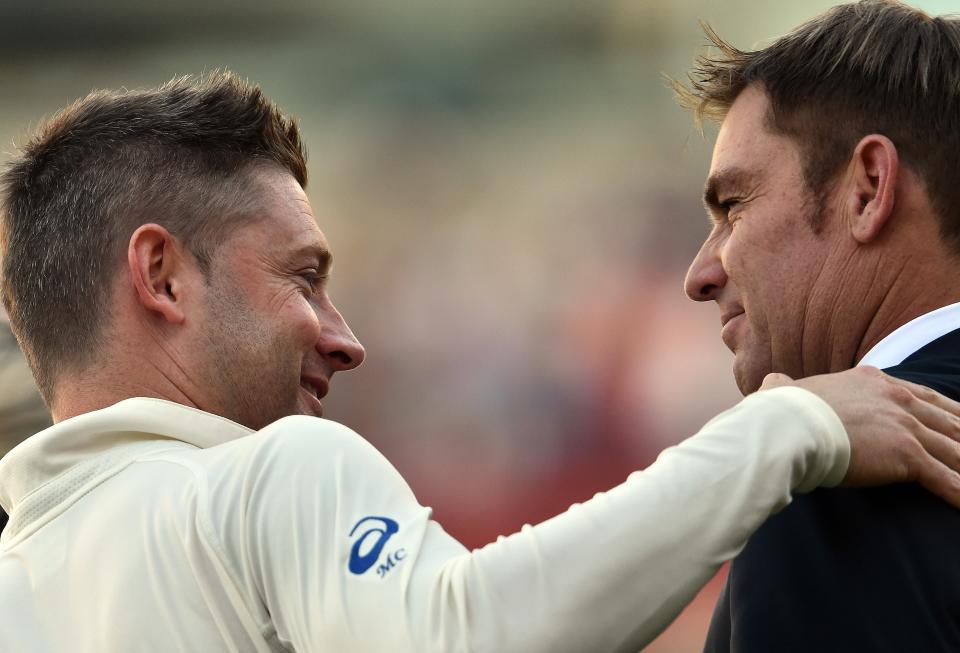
(912, 336)
(51, 452)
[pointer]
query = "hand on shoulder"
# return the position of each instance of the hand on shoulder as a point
(898, 431)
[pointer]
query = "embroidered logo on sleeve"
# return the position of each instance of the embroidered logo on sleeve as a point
(372, 534)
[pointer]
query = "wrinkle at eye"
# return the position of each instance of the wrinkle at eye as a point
(282, 290)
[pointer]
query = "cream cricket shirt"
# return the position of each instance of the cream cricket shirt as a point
(149, 526)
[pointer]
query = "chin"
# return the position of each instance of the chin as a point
(308, 404)
(747, 387)
(747, 378)
(267, 415)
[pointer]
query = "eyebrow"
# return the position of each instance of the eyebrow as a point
(322, 255)
(725, 181)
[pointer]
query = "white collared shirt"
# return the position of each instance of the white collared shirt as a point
(149, 526)
(912, 336)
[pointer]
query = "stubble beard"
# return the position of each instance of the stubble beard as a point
(749, 374)
(246, 365)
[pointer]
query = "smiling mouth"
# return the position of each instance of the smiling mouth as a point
(315, 406)
(309, 387)
(316, 386)
(727, 318)
(730, 329)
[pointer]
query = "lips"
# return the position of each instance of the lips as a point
(315, 385)
(730, 332)
(728, 315)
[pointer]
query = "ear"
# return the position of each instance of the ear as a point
(871, 193)
(156, 266)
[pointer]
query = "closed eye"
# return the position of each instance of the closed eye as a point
(720, 212)
(314, 279)
(728, 204)
(730, 209)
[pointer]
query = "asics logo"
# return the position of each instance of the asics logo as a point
(369, 545)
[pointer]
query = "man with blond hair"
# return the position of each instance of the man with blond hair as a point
(835, 243)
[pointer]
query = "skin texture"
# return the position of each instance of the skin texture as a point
(241, 343)
(800, 302)
(268, 292)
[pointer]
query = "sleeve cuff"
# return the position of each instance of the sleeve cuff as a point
(832, 455)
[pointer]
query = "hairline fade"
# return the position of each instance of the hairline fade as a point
(184, 155)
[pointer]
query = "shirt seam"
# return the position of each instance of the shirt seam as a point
(207, 530)
(32, 527)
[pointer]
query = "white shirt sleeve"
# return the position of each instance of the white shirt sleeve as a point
(330, 538)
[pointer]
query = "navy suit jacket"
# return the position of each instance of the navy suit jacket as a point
(850, 569)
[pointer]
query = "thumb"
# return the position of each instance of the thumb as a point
(775, 380)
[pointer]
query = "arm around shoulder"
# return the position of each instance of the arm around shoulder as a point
(346, 559)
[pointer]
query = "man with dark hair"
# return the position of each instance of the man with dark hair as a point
(835, 243)
(191, 158)
(165, 274)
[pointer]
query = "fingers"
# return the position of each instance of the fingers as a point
(937, 419)
(935, 414)
(775, 380)
(899, 431)
(940, 447)
(938, 431)
(940, 480)
(937, 467)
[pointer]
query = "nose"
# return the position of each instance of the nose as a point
(706, 275)
(337, 344)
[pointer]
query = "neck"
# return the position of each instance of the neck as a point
(914, 291)
(99, 387)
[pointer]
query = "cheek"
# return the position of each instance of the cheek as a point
(307, 323)
(759, 259)
(744, 265)
(298, 321)
(758, 283)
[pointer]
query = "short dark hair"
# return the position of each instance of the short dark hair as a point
(181, 155)
(876, 66)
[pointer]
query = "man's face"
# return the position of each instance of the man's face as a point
(272, 337)
(775, 281)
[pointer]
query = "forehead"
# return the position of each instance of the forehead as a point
(745, 143)
(284, 220)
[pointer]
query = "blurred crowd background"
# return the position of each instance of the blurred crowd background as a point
(512, 198)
